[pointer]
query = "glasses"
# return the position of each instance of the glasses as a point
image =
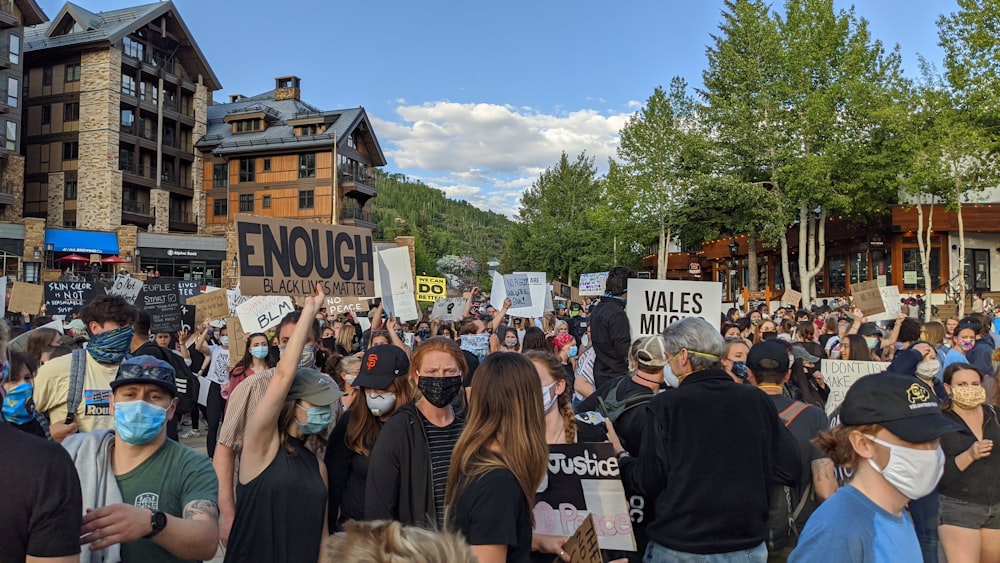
(440, 373)
(136, 371)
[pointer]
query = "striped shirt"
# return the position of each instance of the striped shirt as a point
(441, 442)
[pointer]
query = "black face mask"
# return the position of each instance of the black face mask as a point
(330, 343)
(768, 335)
(424, 334)
(439, 391)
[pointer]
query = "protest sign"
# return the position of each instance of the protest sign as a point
(289, 257)
(791, 297)
(126, 287)
(189, 315)
(517, 290)
(260, 313)
(431, 289)
(583, 546)
(341, 305)
(237, 341)
(65, 298)
(159, 298)
(560, 289)
(396, 283)
(3, 296)
(868, 298)
(583, 480)
(593, 284)
(536, 300)
(209, 306)
(654, 304)
(26, 298)
(476, 344)
(188, 288)
(448, 310)
(235, 298)
(839, 375)
(890, 302)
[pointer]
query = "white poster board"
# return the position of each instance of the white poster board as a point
(235, 299)
(517, 290)
(839, 375)
(126, 287)
(654, 304)
(593, 284)
(3, 296)
(262, 312)
(890, 300)
(394, 283)
(448, 310)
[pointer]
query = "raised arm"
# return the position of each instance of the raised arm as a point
(498, 318)
(199, 342)
(468, 302)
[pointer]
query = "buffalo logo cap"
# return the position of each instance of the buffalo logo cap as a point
(904, 406)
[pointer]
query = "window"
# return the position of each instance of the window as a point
(307, 199)
(913, 272)
(247, 170)
(73, 72)
(71, 150)
(132, 48)
(47, 76)
(267, 165)
(246, 203)
(128, 85)
(307, 166)
(308, 130)
(15, 49)
(11, 137)
(71, 111)
(220, 175)
(70, 191)
(220, 207)
(46, 114)
(265, 202)
(13, 91)
(128, 117)
(247, 125)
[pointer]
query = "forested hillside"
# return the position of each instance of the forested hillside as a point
(441, 226)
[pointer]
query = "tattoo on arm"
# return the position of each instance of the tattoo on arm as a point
(201, 506)
(820, 467)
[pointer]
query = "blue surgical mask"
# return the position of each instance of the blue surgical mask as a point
(308, 358)
(259, 352)
(740, 370)
(572, 351)
(871, 341)
(317, 419)
(17, 405)
(138, 422)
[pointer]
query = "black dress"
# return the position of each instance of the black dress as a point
(279, 514)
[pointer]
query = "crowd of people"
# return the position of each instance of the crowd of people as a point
(337, 437)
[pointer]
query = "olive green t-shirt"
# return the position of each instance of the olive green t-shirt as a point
(171, 478)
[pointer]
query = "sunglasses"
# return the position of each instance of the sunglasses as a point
(136, 371)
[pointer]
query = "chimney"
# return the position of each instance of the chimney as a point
(233, 98)
(287, 88)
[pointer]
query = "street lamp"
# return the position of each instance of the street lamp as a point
(734, 249)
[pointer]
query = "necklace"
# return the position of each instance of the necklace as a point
(657, 383)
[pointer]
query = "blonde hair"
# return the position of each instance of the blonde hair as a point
(505, 429)
(387, 541)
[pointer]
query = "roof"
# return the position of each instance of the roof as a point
(279, 135)
(31, 12)
(112, 27)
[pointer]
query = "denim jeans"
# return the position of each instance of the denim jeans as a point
(656, 553)
(924, 512)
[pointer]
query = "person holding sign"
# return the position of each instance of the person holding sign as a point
(889, 432)
(499, 461)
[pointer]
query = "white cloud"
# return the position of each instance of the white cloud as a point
(487, 154)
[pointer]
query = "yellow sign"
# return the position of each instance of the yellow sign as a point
(430, 289)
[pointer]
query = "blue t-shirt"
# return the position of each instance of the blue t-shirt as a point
(850, 527)
(954, 357)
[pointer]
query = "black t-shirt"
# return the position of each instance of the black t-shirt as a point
(630, 424)
(492, 510)
(472, 362)
(42, 511)
(806, 426)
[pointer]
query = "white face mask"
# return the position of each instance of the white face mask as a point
(928, 369)
(380, 402)
(549, 399)
(224, 341)
(915, 473)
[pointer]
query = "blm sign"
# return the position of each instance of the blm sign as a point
(287, 257)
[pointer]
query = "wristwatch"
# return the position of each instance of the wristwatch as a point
(159, 522)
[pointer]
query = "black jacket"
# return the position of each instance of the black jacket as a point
(399, 483)
(710, 453)
(611, 338)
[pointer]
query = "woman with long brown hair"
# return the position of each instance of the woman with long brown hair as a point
(380, 388)
(499, 461)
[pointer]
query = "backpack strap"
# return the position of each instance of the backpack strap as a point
(792, 412)
(77, 375)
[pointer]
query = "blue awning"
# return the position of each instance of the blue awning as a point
(84, 242)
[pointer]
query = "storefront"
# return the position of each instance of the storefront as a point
(186, 257)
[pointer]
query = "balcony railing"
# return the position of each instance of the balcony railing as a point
(357, 214)
(8, 14)
(135, 208)
(35, 207)
(181, 217)
(136, 169)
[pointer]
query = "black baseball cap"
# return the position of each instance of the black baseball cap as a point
(770, 355)
(904, 405)
(869, 329)
(145, 369)
(380, 366)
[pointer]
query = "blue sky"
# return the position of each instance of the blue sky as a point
(476, 98)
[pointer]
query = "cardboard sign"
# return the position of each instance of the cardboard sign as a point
(288, 257)
(890, 302)
(209, 306)
(449, 310)
(583, 481)
(583, 546)
(341, 305)
(839, 375)
(258, 314)
(431, 289)
(160, 299)
(654, 304)
(868, 298)
(560, 289)
(26, 298)
(235, 298)
(791, 297)
(65, 298)
(237, 341)
(127, 287)
(593, 284)
(517, 290)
